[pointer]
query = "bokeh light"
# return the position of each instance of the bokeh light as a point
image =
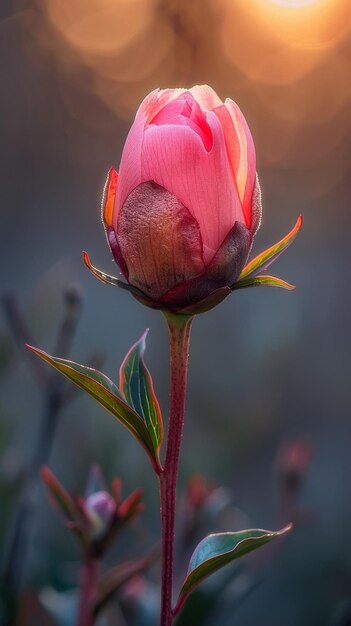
(294, 4)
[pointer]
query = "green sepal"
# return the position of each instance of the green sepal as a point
(206, 304)
(135, 383)
(106, 278)
(100, 387)
(219, 549)
(262, 281)
(263, 260)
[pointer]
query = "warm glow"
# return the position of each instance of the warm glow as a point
(294, 4)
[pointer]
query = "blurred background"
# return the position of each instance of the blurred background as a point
(268, 408)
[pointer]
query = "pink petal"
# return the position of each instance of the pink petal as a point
(206, 97)
(241, 149)
(130, 168)
(156, 100)
(174, 157)
(185, 111)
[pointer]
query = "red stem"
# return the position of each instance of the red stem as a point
(88, 583)
(179, 336)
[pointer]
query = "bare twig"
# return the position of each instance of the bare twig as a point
(54, 397)
(21, 334)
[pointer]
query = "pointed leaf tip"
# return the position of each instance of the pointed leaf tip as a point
(136, 385)
(263, 260)
(108, 279)
(100, 275)
(219, 549)
(59, 497)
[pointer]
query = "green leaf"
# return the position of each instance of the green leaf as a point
(261, 262)
(112, 580)
(263, 281)
(107, 394)
(136, 385)
(215, 551)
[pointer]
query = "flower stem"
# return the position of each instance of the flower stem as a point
(179, 336)
(88, 583)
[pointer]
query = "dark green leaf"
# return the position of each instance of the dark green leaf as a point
(217, 550)
(107, 394)
(136, 385)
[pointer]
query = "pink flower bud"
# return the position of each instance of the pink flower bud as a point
(99, 508)
(181, 215)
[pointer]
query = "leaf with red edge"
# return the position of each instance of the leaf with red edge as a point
(262, 261)
(263, 281)
(135, 383)
(59, 497)
(105, 278)
(100, 387)
(219, 549)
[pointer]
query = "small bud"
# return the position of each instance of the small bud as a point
(99, 508)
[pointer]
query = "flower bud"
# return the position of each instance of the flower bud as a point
(100, 509)
(181, 215)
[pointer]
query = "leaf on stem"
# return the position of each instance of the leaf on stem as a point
(100, 387)
(135, 383)
(117, 576)
(216, 550)
(263, 260)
